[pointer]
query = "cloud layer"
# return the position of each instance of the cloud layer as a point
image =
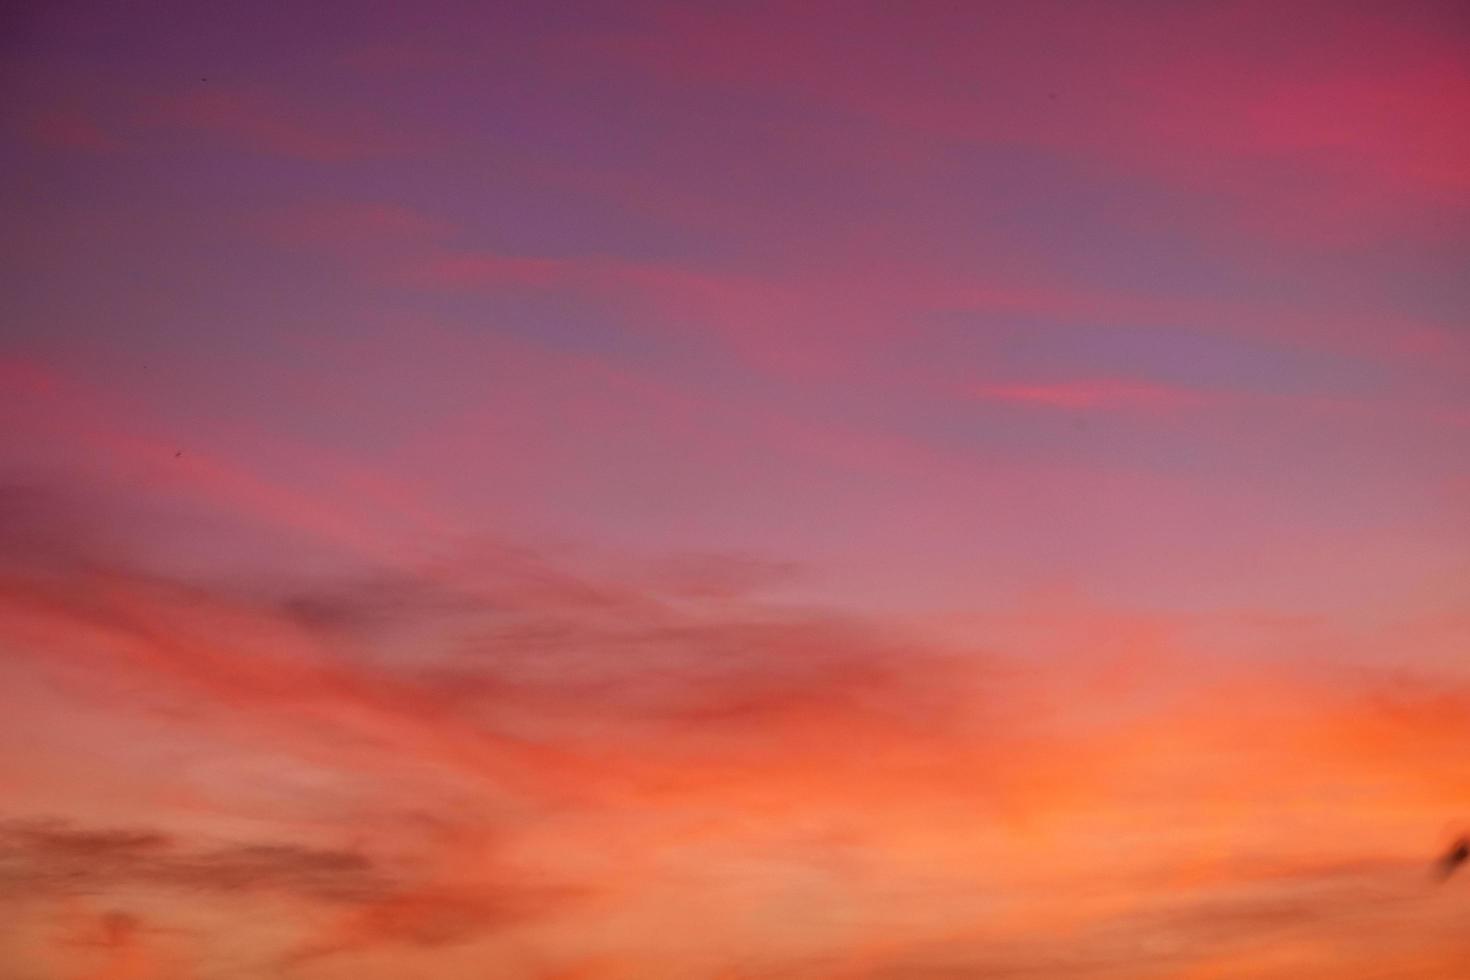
(640, 490)
(499, 758)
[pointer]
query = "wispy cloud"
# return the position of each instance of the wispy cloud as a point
(836, 492)
(73, 128)
(537, 745)
(54, 857)
(1104, 394)
(269, 121)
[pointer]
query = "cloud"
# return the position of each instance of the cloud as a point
(363, 904)
(272, 122)
(721, 575)
(505, 624)
(74, 129)
(1309, 919)
(1108, 394)
(1317, 128)
(433, 917)
(55, 857)
(479, 269)
(352, 227)
(843, 322)
(532, 745)
(785, 303)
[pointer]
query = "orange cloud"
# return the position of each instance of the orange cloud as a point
(536, 752)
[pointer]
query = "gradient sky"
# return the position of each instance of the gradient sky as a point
(665, 491)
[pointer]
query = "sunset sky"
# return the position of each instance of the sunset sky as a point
(734, 491)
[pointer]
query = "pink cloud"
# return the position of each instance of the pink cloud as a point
(472, 269)
(30, 375)
(1352, 139)
(75, 129)
(1106, 394)
(264, 121)
(818, 323)
(353, 227)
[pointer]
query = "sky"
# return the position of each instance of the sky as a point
(746, 491)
